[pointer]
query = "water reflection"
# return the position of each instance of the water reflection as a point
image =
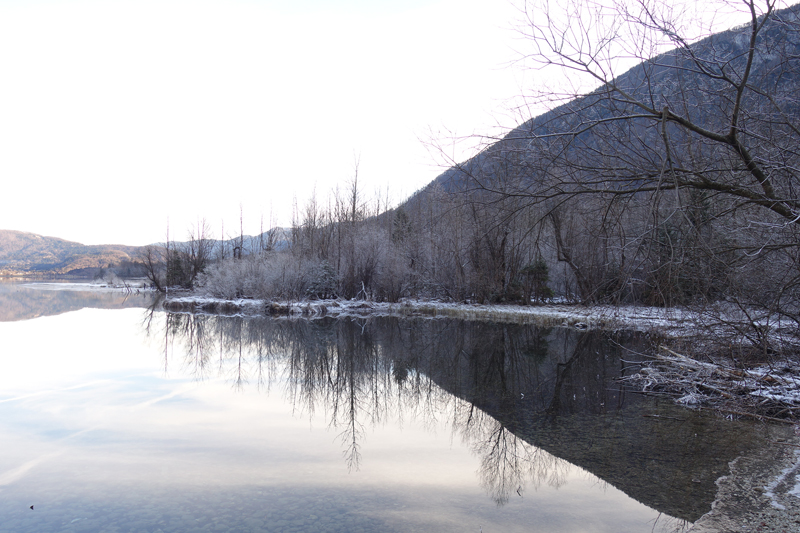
(527, 401)
(24, 301)
(212, 424)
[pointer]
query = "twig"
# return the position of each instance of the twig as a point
(715, 389)
(665, 417)
(752, 415)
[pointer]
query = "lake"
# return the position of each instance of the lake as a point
(118, 417)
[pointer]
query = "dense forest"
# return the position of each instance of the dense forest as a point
(673, 184)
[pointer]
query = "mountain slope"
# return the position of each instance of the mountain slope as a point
(680, 111)
(29, 253)
(674, 183)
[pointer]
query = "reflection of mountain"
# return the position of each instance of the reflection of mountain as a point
(19, 302)
(662, 456)
(513, 393)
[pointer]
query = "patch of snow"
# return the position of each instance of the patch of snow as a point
(796, 489)
(689, 399)
(791, 470)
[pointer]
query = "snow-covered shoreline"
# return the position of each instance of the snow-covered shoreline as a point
(762, 490)
(761, 390)
(666, 321)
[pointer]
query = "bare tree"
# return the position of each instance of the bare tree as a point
(154, 262)
(718, 115)
(199, 249)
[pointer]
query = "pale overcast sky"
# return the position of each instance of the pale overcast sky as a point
(116, 116)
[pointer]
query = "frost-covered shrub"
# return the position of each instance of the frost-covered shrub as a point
(274, 276)
(323, 282)
(223, 279)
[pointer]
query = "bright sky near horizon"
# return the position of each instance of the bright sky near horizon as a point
(117, 116)
(121, 117)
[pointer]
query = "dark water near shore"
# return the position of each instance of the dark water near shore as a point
(114, 417)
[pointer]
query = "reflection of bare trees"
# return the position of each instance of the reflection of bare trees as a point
(361, 373)
(508, 463)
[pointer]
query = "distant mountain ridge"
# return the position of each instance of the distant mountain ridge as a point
(24, 253)
(29, 254)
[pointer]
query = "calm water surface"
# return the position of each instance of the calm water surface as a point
(117, 418)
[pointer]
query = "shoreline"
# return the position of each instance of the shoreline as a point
(762, 491)
(668, 322)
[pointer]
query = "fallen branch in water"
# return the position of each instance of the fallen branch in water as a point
(770, 393)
